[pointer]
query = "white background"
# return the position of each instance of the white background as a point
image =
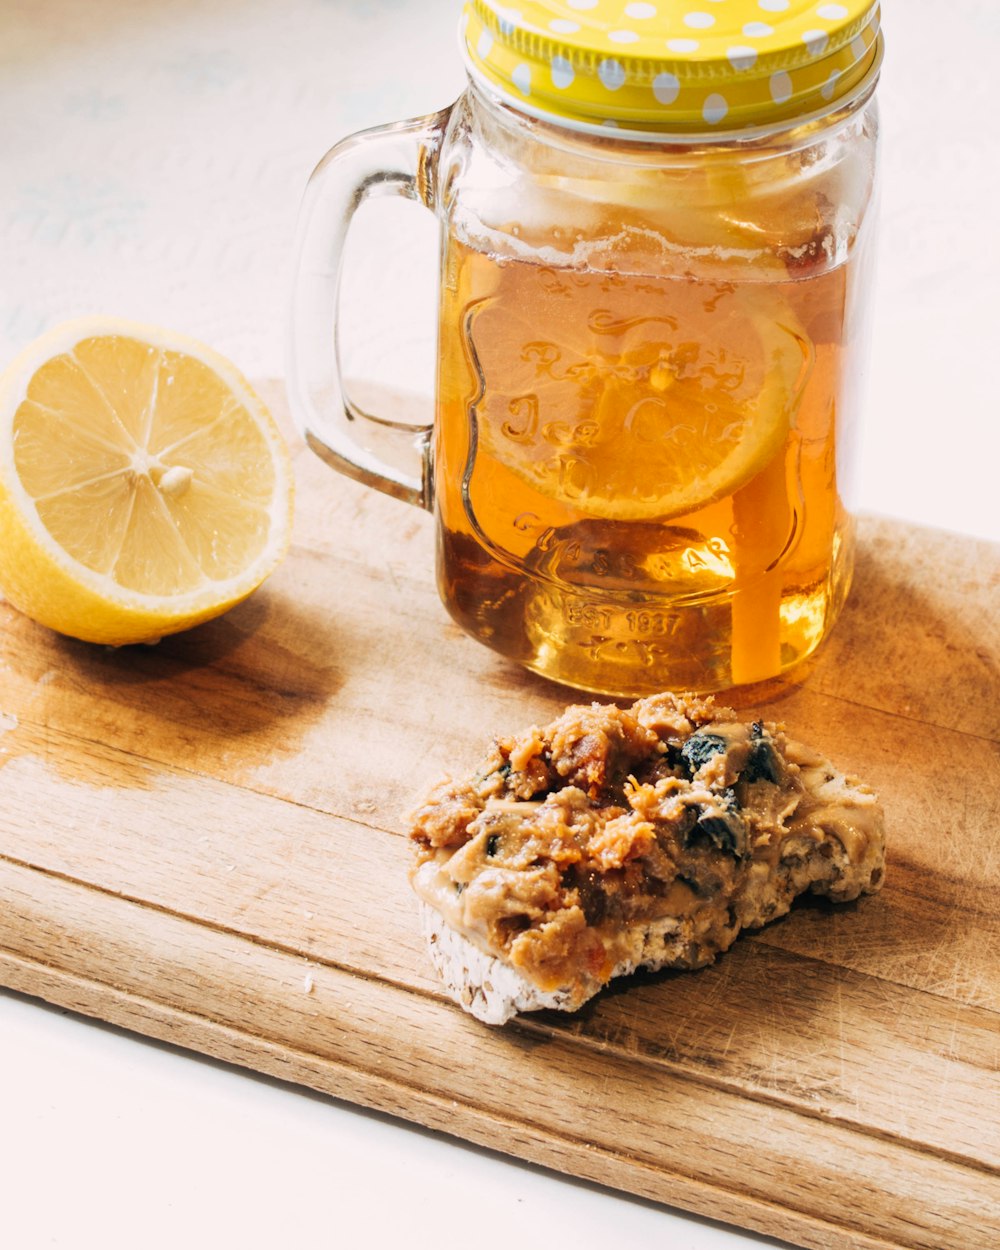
(152, 157)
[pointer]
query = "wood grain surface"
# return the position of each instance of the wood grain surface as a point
(203, 841)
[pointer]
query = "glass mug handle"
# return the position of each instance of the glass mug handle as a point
(398, 159)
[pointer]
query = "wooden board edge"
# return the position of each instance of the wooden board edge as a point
(148, 1018)
(531, 1027)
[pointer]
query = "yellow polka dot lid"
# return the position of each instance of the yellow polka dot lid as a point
(672, 66)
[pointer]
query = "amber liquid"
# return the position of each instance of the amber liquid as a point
(586, 528)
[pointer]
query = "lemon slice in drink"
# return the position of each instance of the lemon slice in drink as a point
(144, 488)
(627, 398)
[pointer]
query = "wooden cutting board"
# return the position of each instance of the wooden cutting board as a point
(203, 842)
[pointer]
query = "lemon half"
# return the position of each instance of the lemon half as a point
(144, 488)
(632, 399)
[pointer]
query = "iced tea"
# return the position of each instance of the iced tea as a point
(638, 461)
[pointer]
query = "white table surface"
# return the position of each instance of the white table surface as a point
(152, 156)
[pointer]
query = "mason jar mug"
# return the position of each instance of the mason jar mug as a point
(656, 246)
